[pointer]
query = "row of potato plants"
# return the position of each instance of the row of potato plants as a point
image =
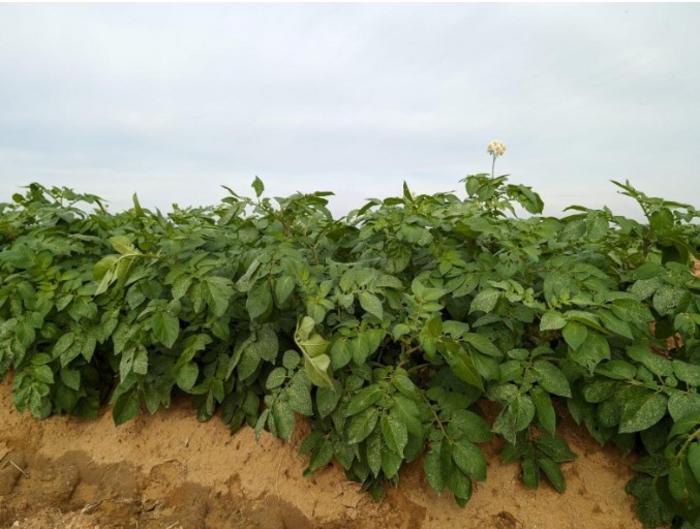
(388, 328)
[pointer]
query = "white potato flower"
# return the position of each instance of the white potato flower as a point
(496, 148)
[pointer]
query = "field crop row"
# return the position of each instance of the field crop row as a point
(386, 327)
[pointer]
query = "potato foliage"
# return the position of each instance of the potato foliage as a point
(387, 328)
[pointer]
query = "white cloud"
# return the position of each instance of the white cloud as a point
(173, 100)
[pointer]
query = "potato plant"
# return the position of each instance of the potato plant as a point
(388, 328)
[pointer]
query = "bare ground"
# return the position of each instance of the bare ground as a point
(169, 471)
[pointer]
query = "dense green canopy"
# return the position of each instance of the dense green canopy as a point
(386, 327)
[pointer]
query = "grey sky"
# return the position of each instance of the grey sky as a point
(173, 100)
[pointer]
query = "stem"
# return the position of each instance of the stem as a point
(493, 166)
(687, 442)
(416, 367)
(405, 355)
(411, 350)
(437, 419)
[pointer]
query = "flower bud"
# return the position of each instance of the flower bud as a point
(496, 148)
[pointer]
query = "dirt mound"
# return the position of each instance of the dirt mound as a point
(170, 471)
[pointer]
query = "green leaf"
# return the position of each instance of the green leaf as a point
(553, 473)
(363, 399)
(654, 362)
(552, 321)
(283, 415)
(615, 324)
(299, 393)
(219, 294)
(694, 460)
(266, 344)
(290, 359)
(321, 456)
(371, 303)
(530, 473)
(514, 418)
(681, 404)
(551, 378)
(545, 410)
(649, 507)
(258, 186)
(599, 390)
(470, 425)
(71, 378)
(526, 197)
(361, 426)
(408, 413)
(41, 359)
(140, 365)
(187, 376)
(432, 466)
(313, 347)
(460, 485)
(126, 407)
(276, 378)
(688, 373)
(72, 352)
(122, 245)
(43, 373)
(643, 412)
(106, 270)
(667, 298)
(192, 345)
(103, 266)
(249, 363)
(395, 433)
(485, 301)
(407, 193)
(592, 351)
(165, 327)
(391, 463)
(575, 334)
(677, 484)
(63, 344)
(617, 370)
(399, 330)
(469, 459)
(374, 453)
(310, 342)
(341, 353)
(317, 370)
(260, 423)
(405, 385)
(259, 300)
(554, 448)
(25, 333)
(463, 366)
(483, 344)
(326, 400)
(284, 286)
(245, 282)
(645, 288)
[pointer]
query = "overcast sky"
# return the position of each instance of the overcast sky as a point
(173, 100)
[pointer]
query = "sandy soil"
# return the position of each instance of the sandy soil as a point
(169, 471)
